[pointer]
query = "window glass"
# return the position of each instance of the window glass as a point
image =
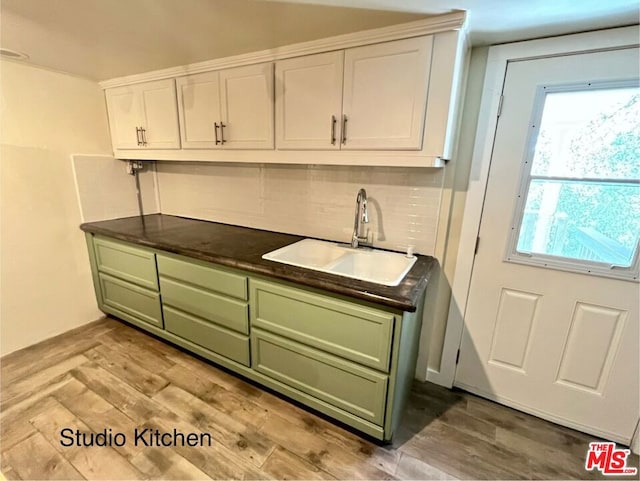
(593, 133)
(583, 189)
(582, 220)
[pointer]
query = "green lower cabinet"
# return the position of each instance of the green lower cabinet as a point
(348, 359)
(203, 274)
(344, 384)
(205, 305)
(127, 300)
(348, 330)
(210, 336)
(125, 261)
(226, 312)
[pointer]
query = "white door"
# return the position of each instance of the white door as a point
(160, 112)
(124, 107)
(309, 101)
(385, 94)
(551, 325)
(199, 110)
(247, 107)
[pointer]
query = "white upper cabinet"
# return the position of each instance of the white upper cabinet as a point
(144, 116)
(160, 130)
(228, 109)
(247, 106)
(365, 98)
(380, 97)
(125, 113)
(309, 101)
(199, 109)
(385, 95)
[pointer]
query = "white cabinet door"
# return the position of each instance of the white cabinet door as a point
(160, 115)
(385, 94)
(124, 107)
(247, 107)
(144, 116)
(309, 101)
(199, 110)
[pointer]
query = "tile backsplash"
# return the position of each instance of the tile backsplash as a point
(309, 200)
(105, 191)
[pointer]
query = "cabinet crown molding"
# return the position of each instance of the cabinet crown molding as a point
(432, 25)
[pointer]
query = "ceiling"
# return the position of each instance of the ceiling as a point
(101, 39)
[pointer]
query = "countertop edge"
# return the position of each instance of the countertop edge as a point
(409, 304)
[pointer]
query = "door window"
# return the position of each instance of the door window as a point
(579, 202)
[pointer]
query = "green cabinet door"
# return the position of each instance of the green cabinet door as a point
(127, 262)
(346, 385)
(221, 310)
(203, 333)
(346, 329)
(202, 274)
(126, 300)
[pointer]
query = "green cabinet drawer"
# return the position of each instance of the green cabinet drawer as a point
(348, 386)
(203, 275)
(346, 329)
(220, 310)
(125, 299)
(126, 262)
(214, 338)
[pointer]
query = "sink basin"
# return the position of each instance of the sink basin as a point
(308, 253)
(379, 267)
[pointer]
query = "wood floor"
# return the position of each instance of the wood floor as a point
(109, 375)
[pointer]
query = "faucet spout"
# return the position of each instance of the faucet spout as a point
(361, 217)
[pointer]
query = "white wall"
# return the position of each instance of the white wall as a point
(315, 201)
(440, 292)
(45, 279)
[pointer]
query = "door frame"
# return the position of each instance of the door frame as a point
(498, 58)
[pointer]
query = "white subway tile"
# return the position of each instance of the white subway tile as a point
(315, 201)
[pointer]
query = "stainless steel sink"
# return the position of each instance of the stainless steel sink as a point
(371, 265)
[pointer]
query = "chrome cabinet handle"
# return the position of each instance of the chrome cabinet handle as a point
(144, 136)
(333, 130)
(138, 141)
(215, 129)
(344, 129)
(222, 126)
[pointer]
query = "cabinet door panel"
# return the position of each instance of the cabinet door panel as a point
(348, 330)
(355, 389)
(127, 262)
(199, 110)
(201, 274)
(308, 94)
(210, 336)
(124, 107)
(220, 310)
(385, 94)
(247, 107)
(124, 299)
(160, 115)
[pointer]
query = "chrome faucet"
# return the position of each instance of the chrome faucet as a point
(361, 215)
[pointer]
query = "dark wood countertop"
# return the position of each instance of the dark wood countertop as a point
(243, 247)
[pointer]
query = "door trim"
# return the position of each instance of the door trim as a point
(498, 58)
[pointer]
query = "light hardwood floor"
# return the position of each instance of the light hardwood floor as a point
(110, 375)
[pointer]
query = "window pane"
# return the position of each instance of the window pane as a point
(593, 221)
(590, 133)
